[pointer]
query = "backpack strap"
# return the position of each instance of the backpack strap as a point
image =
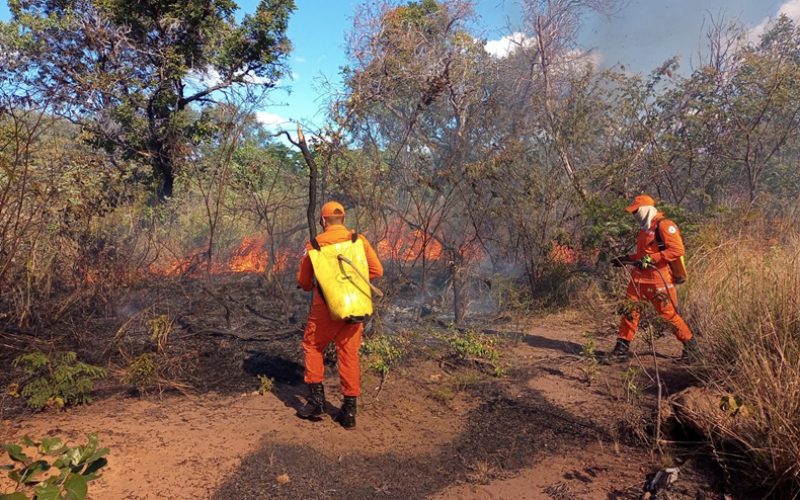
(660, 239)
(316, 246)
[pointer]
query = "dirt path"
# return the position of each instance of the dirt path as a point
(540, 432)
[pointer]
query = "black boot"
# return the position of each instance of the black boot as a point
(691, 352)
(316, 403)
(347, 415)
(620, 352)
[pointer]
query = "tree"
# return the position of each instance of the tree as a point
(419, 91)
(128, 72)
(551, 29)
(763, 102)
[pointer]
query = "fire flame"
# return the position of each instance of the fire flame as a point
(402, 243)
(250, 257)
(408, 245)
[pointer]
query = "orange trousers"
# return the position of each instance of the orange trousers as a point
(664, 306)
(320, 331)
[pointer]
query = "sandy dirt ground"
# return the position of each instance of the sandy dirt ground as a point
(542, 431)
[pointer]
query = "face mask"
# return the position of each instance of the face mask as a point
(641, 214)
(644, 215)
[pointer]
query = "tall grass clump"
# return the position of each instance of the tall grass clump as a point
(744, 300)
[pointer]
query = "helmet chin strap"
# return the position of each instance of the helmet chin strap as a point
(645, 215)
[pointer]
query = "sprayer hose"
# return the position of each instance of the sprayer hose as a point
(377, 291)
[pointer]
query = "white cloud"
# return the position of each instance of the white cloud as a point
(208, 77)
(256, 80)
(508, 44)
(271, 120)
(790, 8)
(300, 59)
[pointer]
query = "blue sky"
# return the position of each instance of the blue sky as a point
(640, 35)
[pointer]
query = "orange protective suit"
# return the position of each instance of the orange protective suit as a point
(321, 330)
(647, 284)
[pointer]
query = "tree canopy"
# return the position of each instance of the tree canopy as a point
(128, 71)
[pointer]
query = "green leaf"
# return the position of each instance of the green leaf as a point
(15, 452)
(98, 454)
(93, 467)
(73, 456)
(27, 441)
(50, 445)
(89, 449)
(47, 492)
(13, 496)
(77, 487)
(28, 475)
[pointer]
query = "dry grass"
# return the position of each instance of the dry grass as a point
(744, 301)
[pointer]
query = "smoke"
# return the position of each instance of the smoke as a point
(645, 33)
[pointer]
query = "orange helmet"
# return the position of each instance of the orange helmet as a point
(642, 199)
(332, 209)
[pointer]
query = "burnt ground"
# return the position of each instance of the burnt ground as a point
(502, 435)
(550, 428)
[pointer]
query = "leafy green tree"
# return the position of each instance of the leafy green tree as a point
(129, 72)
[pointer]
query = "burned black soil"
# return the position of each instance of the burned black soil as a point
(229, 332)
(503, 435)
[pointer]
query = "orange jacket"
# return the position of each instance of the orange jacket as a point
(335, 233)
(646, 244)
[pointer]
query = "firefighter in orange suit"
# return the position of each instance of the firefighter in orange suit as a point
(658, 248)
(321, 330)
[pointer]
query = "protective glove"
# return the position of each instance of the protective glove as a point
(645, 262)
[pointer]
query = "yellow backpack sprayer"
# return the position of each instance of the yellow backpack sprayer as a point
(342, 274)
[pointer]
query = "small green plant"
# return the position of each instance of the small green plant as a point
(464, 381)
(141, 372)
(382, 351)
(590, 360)
(51, 470)
(266, 385)
(509, 296)
(630, 383)
(442, 394)
(57, 380)
(472, 345)
(160, 327)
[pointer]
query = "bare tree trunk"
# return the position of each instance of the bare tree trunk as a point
(313, 174)
(460, 288)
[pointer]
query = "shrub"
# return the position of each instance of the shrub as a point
(382, 351)
(159, 328)
(476, 346)
(141, 372)
(58, 379)
(55, 472)
(266, 385)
